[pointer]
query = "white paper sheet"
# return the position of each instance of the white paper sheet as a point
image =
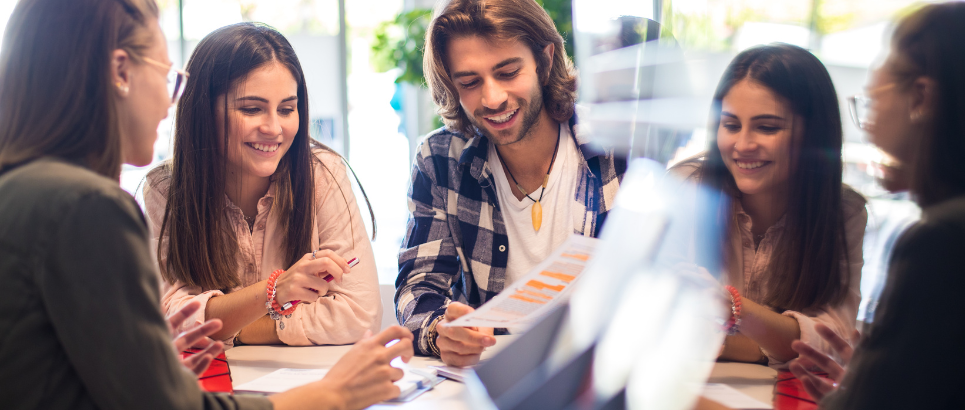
(539, 291)
(733, 398)
(413, 383)
(282, 380)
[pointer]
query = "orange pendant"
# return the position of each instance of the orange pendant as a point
(537, 216)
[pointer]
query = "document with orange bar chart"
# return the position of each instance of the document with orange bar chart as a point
(539, 291)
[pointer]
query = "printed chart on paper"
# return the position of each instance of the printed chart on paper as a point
(539, 291)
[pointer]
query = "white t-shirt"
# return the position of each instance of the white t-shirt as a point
(527, 247)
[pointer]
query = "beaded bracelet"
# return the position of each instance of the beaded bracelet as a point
(734, 323)
(276, 311)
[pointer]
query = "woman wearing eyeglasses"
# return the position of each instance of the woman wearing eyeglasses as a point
(252, 214)
(82, 91)
(911, 356)
(892, 177)
(792, 231)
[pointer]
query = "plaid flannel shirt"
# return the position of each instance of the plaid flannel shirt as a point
(456, 247)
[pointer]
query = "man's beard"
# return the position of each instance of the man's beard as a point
(530, 111)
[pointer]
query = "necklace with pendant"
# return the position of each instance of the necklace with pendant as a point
(537, 209)
(250, 220)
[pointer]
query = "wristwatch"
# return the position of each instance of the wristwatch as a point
(433, 335)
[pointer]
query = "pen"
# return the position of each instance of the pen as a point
(328, 278)
(351, 263)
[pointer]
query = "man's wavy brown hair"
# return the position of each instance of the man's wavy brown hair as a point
(498, 20)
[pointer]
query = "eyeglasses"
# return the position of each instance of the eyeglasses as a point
(176, 78)
(859, 105)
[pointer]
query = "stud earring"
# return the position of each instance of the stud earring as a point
(123, 88)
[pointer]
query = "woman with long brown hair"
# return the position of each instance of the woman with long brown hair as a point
(251, 205)
(909, 358)
(82, 90)
(792, 231)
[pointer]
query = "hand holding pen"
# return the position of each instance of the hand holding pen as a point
(310, 277)
(351, 264)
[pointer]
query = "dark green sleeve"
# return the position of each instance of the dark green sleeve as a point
(912, 358)
(101, 292)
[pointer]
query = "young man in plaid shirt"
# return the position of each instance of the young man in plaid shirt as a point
(508, 179)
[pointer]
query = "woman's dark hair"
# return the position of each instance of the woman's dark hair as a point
(928, 43)
(524, 21)
(200, 247)
(57, 96)
(806, 269)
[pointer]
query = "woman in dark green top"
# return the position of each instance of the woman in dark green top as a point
(82, 90)
(911, 357)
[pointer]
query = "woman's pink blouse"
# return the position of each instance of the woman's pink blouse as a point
(340, 317)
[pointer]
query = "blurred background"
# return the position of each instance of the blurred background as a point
(362, 59)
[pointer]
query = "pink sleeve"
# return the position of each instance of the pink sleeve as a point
(841, 318)
(155, 202)
(175, 296)
(342, 316)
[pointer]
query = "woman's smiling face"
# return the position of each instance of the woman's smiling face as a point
(262, 118)
(754, 138)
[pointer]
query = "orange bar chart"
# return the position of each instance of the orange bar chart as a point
(560, 276)
(534, 294)
(531, 293)
(577, 256)
(526, 299)
(540, 286)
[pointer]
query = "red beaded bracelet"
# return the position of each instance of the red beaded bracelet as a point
(733, 324)
(272, 304)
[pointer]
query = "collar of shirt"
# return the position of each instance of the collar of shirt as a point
(264, 203)
(745, 224)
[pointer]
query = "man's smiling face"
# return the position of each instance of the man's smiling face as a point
(498, 86)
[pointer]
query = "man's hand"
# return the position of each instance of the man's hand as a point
(461, 346)
(197, 337)
(816, 386)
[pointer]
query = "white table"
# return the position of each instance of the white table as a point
(753, 380)
(250, 362)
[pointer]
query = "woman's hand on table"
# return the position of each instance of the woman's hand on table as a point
(196, 337)
(361, 378)
(816, 386)
(364, 374)
(305, 280)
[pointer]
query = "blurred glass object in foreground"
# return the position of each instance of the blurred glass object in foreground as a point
(657, 281)
(642, 328)
(655, 274)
